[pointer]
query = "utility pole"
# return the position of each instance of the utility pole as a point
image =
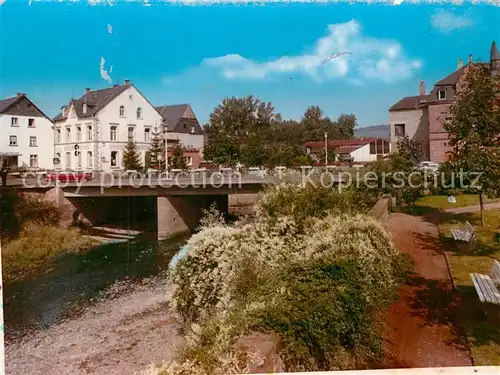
(326, 149)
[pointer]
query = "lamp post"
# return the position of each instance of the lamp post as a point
(165, 137)
(326, 149)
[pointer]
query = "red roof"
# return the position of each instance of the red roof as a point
(341, 143)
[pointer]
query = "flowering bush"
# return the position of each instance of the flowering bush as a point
(313, 274)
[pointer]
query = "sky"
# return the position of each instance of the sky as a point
(347, 58)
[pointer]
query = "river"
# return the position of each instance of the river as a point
(102, 312)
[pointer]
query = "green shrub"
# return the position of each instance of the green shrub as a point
(319, 312)
(18, 209)
(38, 244)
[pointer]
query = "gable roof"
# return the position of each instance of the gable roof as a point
(173, 114)
(6, 103)
(409, 102)
(95, 100)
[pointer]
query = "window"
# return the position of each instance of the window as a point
(139, 112)
(441, 94)
(373, 151)
(147, 133)
(78, 133)
(114, 155)
(68, 160)
(89, 159)
(31, 122)
(33, 161)
(112, 133)
(79, 160)
(13, 140)
(399, 130)
(122, 111)
(32, 141)
(14, 121)
(58, 136)
(68, 134)
(380, 147)
(387, 148)
(131, 132)
(89, 132)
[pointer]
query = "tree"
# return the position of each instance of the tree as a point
(239, 130)
(157, 149)
(131, 157)
(474, 130)
(410, 150)
(178, 160)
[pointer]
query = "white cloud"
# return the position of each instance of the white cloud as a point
(104, 73)
(343, 52)
(446, 22)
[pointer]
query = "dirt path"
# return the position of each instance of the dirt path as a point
(474, 208)
(421, 330)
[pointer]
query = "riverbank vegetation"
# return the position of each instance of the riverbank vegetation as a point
(310, 268)
(31, 235)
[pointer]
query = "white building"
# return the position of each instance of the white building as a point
(359, 150)
(183, 126)
(25, 134)
(91, 132)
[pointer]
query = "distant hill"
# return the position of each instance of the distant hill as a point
(376, 131)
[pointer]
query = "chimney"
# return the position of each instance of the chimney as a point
(63, 110)
(87, 90)
(470, 59)
(127, 81)
(421, 88)
(460, 63)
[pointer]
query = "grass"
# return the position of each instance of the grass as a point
(483, 336)
(36, 246)
(441, 201)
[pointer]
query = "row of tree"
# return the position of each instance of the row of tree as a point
(155, 156)
(250, 131)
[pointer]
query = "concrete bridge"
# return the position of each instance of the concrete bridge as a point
(172, 206)
(175, 205)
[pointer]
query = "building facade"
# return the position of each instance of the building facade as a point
(359, 150)
(25, 140)
(422, 117)
(91, 132)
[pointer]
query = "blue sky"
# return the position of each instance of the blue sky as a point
(278, 52)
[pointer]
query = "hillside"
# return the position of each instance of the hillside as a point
(377, 131)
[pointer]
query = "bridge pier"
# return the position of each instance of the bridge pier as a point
(181, 214)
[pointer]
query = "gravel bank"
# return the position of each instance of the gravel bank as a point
(129, 329)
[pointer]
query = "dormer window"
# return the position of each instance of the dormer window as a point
(139, 112)
(122, 111)
(441, 94)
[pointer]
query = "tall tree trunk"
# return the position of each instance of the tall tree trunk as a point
(481, 207)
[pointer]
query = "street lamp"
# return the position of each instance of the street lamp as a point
(326, 149)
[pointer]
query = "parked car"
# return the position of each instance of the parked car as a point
(69, 176)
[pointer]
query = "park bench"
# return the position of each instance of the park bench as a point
(465, 238)
(487, 286)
